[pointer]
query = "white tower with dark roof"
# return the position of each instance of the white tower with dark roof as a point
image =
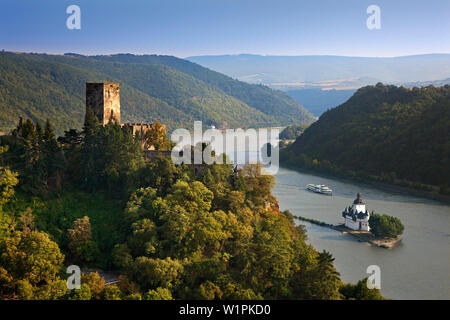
(356, 216)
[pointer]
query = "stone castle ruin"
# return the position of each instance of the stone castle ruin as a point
(104, 100)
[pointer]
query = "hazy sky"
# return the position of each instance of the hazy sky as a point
(203, 27)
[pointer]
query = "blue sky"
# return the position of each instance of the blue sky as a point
(204, 27)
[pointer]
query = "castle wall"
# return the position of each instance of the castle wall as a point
(142, 129)
(153, 154)
(349, 223)
(359, 224)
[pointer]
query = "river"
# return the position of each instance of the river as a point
(419, 268)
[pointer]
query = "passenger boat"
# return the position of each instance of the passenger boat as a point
(319, 188)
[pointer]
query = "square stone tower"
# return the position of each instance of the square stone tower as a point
(104, 99)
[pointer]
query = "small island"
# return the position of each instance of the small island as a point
(380, 230)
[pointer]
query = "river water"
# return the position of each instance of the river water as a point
(419, 268)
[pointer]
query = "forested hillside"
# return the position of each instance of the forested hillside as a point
(168, 89)
(269, 101)
(386, 131)
(91, 199)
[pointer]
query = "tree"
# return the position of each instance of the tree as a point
(152, 273)
(29, 262)
(81, 245)
(111, 157)
(360, 291)
(128, 287)
(317, 278)
(84, 293)
(160, 174)
(37, 156)
(258, 185)
(188, 224)
(28, 157)
(156, 137)
(53, 157)
(90, 151)
(112, 293)
(217, 178)
(208, 291)
(385, 225)
(292, 132)
(8, 180)
(95, 283)
(328, 282)
(145, 238)
(158, 294)
(269, 260)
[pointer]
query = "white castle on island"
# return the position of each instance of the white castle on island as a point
(356, 216)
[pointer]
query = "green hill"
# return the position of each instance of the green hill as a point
(383, 131)
(172, 90)
(272, 102)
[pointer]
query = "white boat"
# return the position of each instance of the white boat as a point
(320, 188)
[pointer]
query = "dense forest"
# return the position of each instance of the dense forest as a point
(383, 132)
(174, 91)
(292, 132)
(91, 199)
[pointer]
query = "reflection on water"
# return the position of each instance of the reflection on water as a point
(417, 269)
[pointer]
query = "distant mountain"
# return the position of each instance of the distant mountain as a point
(436, 83)
(384, 131)
(171, 90)
(317, 101)
(291, 72)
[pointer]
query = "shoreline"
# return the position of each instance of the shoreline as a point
(362, 236)
(383, 186)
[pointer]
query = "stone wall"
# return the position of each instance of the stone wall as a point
(104, 99)
(142, 129)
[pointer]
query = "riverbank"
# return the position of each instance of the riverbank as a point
(432, 195)
(362, 236)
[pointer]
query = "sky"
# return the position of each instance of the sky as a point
(212, 27)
